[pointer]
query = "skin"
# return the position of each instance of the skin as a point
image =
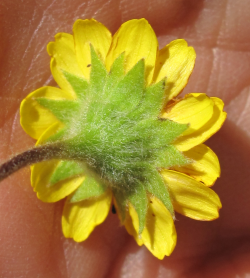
(31, 241)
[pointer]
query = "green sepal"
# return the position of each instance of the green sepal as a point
(137, 196)
(64, 110)
(156, 186)
(154, 98)
(157, 133)
(120, 95)
(89, 188)
(139, 201)
(65, 170)
(169, 156)
(152, 101)
(170, 130)
(98, 75)
(121, 201)
(129, 90)
(115, 75)
(79, 85)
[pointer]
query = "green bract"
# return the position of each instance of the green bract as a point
(113, 132)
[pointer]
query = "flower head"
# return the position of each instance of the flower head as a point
(130, 142)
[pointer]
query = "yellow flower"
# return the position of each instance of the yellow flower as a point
(186, 183)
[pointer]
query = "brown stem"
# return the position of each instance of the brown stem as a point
(35, 155)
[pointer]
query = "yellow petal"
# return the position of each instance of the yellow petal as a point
(86, 32)
(128, 223)
(159, 234)
(42, 172)
(80, 219)
(137, 39)
(63, 59)
(176, 62)
(205, 166)
(190, 197)
(51, 130)
(132, 224)
(34, 118)
(191, 140)
(195, 110)
(40, 180)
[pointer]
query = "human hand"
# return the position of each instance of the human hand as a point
(32, 244)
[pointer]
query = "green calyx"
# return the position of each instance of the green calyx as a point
(115, 137)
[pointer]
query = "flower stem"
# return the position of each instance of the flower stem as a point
(32, 156)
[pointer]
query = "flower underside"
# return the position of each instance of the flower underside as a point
(115, 136)
(113, 132)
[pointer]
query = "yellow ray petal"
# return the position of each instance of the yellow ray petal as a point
(34, 118)
(42, 172)
(51, 130)
(80, 219)
(137, 39)
(86, 32)
(190, 197)
(131, 224)
(159, 234)
(40, 180)
(176, 62)
(191, 140)
(195, 110)
(205, 166)
(63, 59)
(128, 223)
